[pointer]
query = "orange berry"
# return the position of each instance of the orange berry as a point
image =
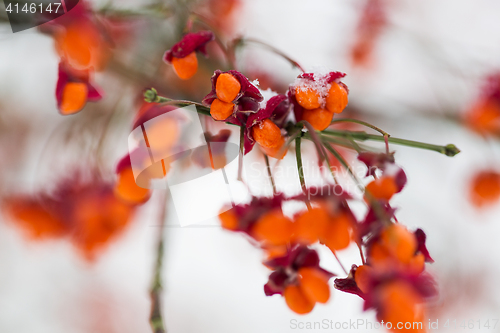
(363, 277)
(275, 251)
(320, 119)
(229, 220)
(380, 258)
(310, 225)
(127, 189)
(273, 228)
(338, 233)
(227, 87)
(314, 285)
(417, 264)
(220, 110)
(267, 134)
(35, 218)
(82, 46)
(400, 243)
(74, 97)
(307, 98)
(484, 117)
(297, 301)
(337, 99)
(485, 188)
(400, 302)
(277, 152)
(185, 67)
(382, 188)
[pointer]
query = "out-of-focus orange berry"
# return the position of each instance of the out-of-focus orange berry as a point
(220, 110)
(162, 135)
(97, 219)
(267, 134)
(320, 119)
(74, 97)
(307, 98)
(229, 220)
(273, 228)
(34, 218)
(484, 117)
(314, 284)
(82, 45)
(417, 264)
(127, 189)
(363, 277)
(383, 188)
(485, 188)
(338, 233)
(275, 251)
(380, 258)
(185, 67)
(227, 87)
(310, 225)
(277, 152)
(297, 301)
(400, 243)
(400, 302)
(337, 99)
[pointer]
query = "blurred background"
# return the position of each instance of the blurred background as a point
(420, 70)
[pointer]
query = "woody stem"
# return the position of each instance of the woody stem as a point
(240, 155)
(156, 317)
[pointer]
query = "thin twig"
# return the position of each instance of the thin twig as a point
(340, 263)
(156, 318)
(300, 169)
(269, 173)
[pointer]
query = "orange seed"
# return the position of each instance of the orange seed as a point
(220, 110)
(320, 119)
(74, 97)
(307, 98)
(267, 134)
(185, 67)
(227, 87)
(337, 98)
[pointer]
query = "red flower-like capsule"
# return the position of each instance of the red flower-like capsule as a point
(484, 116)
(215, 157)
(182, 55)
(316, 98)
(262, 219)
(393, 178)
(372, 21)
(80, 41)
(231, 94)
(395, 297)
(74, 90)
(126, 187)
(299, 279)
(264, 127)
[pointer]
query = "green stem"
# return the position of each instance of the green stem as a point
(300, 169)
(448, 150)
(269, 173)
